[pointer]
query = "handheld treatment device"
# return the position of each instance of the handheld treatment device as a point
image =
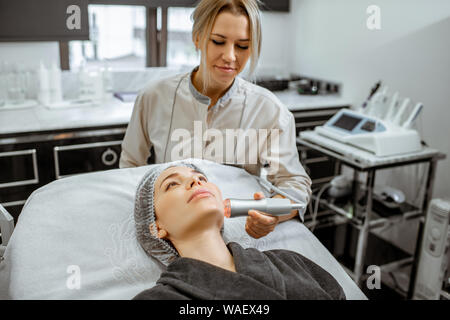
(272, 206)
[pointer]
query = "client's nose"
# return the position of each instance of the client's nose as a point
(195, 181)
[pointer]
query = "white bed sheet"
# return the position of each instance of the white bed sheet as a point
(85, 223)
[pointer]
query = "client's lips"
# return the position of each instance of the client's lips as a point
(198, 192)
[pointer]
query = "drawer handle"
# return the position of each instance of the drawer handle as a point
(109, 153)
(305, 114)
(315, 160)
(310, 124)
(13, 203)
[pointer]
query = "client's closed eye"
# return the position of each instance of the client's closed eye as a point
(174, 183)
(170, 184)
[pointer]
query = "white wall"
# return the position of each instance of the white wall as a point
(276, 49)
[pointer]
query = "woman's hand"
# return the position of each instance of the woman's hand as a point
(260, 224)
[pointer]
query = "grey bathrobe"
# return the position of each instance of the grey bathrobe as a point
(273, 274)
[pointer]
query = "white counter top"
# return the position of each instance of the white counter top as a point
(39, 118)
(115, 112)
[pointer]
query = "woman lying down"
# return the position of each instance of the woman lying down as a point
(179, 219)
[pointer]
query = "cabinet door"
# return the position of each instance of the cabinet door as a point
(43, 20)
(319, 167)
(18, 178)
(18, 168)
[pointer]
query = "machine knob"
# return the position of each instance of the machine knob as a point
(109, 157)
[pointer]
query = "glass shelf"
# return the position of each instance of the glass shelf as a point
(406, 211)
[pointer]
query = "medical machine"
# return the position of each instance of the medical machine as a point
(272, 206)
(432, 263)
(382, 126)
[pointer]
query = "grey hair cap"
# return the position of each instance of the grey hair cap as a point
(144, 214)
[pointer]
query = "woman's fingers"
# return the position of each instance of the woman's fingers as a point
(258, 224)
(253, 232)
(262, 219)
(261, 230)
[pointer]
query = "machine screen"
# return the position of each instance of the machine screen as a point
(347, 122)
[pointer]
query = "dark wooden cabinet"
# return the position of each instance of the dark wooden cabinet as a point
(320, 167)
(29, 161)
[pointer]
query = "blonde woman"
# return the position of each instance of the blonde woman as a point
(213, 98)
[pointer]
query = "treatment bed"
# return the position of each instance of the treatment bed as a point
(75, 238)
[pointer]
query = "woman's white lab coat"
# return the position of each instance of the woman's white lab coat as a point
(170, 110)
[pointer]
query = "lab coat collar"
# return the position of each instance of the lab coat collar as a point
(207, 100)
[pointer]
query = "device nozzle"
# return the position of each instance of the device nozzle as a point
(297, 206)
(227, 209)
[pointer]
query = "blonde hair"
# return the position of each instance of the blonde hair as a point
(204, 16)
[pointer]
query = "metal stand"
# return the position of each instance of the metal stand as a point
(364, 232)
(365, 222)
(429, 191)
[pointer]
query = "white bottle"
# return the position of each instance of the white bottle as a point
(98, 85)
(55, 84)
(85, 84)
(107, 81)
(44, 93)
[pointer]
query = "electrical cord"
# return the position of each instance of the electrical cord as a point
(423, 143)
(310, 203)
(420, 184)
(316, 205)
(387, 226)
(396, 283)
(274, 189)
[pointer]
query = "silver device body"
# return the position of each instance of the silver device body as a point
(271, 206)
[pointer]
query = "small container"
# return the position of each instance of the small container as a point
(55, 84)
(16, 85)
(44, 85)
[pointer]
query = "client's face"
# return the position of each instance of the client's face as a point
(186, 203)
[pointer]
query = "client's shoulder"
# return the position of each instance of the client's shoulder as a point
(291, 258)
(290, 262)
